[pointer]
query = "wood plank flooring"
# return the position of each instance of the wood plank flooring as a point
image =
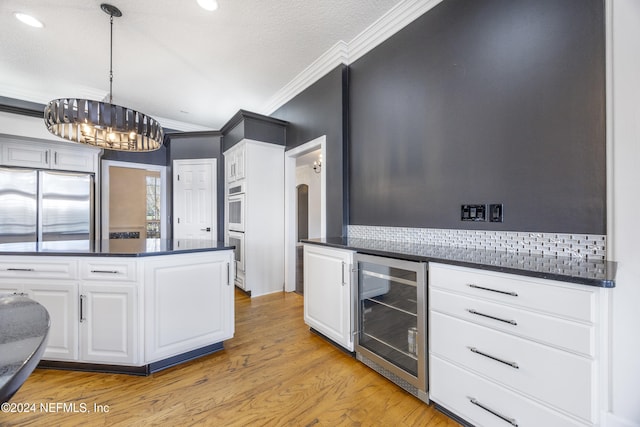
(274, 372)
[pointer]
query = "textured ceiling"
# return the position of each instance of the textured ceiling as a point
(173, 59)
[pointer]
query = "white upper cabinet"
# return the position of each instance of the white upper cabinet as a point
(42, 155)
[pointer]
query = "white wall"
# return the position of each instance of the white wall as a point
(33, 127)
(306, 175)
(624, 205)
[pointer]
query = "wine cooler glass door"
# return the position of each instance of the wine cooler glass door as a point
(391, 298)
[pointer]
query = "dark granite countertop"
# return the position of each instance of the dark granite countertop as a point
(112, 247)
(24, 327)
(574, 270)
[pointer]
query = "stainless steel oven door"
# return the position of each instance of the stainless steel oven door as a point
(236, 212)
(237, 239)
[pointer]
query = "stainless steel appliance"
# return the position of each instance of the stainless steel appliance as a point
(41, 206)
(237, 239)
(392, 323)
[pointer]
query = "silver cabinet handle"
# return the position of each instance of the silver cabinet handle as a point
(510, 420)
(82, 298)
(513, 294)
(106, 271)
(20, 269)
(497, 359)
(228, 275)
(343, 264)
(46, 157)
(477, 313)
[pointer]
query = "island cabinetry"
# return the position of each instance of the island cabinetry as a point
(328, 293)
(129, 311)
(505, 348)
(183, 312)
(52, 282)
(109, 310)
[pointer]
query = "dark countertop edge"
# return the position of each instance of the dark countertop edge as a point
(600, 283)
(121, 254)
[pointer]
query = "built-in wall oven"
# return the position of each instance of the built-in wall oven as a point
(391, 333)
(236, 239)
(236, 203)
(235, 232)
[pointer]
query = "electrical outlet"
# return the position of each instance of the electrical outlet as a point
(473, 213)
(496, 212)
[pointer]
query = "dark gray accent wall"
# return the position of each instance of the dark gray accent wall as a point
(199, 145)
(321, 110)
(492, 101)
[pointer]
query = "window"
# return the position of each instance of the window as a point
(153, 206)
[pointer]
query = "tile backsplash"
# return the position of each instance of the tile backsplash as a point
(585, 246)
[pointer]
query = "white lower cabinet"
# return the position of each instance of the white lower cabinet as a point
(108, 327)
(127, 311)
(184, 312)
(61, 301)
(328, 298)
(506, 349)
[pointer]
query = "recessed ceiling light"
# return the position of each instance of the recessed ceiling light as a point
(29, 20)
(208, 4)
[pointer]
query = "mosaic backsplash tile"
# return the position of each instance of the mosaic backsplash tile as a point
(583, 246)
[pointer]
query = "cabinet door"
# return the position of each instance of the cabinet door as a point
(25, 155)
(240, 162)
(107, 323)
(229, 166)
(328, 302)
(72, 160)
(188, 303)
(61, 301)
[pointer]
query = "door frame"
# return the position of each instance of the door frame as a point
(290, 216)
(214, 189)
(105, 165)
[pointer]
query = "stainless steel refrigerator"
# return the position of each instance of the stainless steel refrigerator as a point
(41, 206)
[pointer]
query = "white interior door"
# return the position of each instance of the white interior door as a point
(194, 199)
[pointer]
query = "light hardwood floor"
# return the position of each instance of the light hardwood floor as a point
(274, 372)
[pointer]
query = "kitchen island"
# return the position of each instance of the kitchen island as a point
(125, 305)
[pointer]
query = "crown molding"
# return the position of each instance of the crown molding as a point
(387, 25)
(336, 55)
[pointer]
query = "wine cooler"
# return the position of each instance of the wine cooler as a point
(391, 332)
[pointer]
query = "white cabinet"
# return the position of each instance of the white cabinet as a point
(60, 298)
(184, 312)
(518, 349)
(53, 283)
(235, 163)
(40, 155)
(255, 173)
(328, 298)
(128, 311)
(108, 326)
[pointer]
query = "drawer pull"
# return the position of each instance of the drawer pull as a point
(513, 294)
(497, 359)
(477, 313)
(511, 421)
(20, 269)
(106, 271)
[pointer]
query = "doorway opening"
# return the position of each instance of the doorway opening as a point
(305, 200)
(133, 201)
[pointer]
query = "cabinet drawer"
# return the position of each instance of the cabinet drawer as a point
(556, 298)
(108, 270)
(562, 333)
(557, 377)
(46, 269)
(454, 388)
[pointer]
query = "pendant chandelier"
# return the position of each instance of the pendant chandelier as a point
(103, 124)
